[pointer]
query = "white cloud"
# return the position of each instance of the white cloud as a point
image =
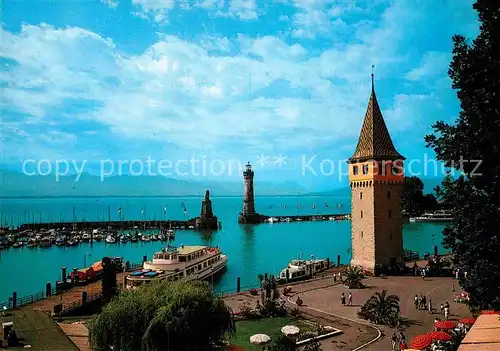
(433, 64)
(111, 3)
(253, 94)
(156, 10)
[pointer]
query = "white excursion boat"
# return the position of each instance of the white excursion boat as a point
(438, 216)
(184, 262)
(302, 269)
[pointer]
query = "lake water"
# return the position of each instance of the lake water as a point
(251, 249)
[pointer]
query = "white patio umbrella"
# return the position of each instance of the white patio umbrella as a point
(290, 330)
(260, 339)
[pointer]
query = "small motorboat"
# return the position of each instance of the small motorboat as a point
(110, 239)
(123, 239)
(45, 242)
(60, 241)
(86, 237)
(154, 238)
(145, 238)
(32, 242)
(97, 237)
(71, 242)
(162, 237)
(134, 239)
(18, 244)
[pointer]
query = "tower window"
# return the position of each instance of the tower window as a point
(390, 213)
(365, 169)
(355, 170)
(361, 195)
(396, 170)
(361, 214)
(361, 233)
(388, 194)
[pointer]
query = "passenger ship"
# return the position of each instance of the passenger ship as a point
(185, 262)
(438, 216)
(299, 269)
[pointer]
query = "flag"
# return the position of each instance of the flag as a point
(164, 210)
(142, 211)
(183, 207)
(120, 211)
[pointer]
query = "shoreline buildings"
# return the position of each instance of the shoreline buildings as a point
(376, 179)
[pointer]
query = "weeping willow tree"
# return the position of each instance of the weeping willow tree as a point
(184, 316)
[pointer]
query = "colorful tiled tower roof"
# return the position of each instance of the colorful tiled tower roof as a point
(374, 140)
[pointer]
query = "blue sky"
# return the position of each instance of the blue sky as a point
(222, 79)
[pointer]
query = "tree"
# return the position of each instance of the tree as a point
(413, 200)
(353, 277)
(162, 315)
(381, 309)
(269, 295)
(471, 145)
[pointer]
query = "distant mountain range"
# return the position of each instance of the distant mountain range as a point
(15, 184)
(429, 185)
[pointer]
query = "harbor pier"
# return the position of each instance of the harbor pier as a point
(111, 225)
(304, 218)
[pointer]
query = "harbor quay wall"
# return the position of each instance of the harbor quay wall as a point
(261, 218)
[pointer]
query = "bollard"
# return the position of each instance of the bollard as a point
(63, 274)
(14, 299)
(84, 297)
(338, 260)
(238, 284)
(48, 289)
(144, 258)
(75, 276)
(287, 275)
(328, 262)
(435, 250)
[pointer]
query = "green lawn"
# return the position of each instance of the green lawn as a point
(270, 326)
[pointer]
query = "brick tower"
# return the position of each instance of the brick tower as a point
(376, 179)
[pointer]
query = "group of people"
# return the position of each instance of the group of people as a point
(421, 303)
(349, 299)
(398, 341)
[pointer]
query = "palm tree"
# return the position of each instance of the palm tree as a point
(163, 315)
(381, 309)
(353, 277)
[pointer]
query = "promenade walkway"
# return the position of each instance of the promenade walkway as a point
(325, 301)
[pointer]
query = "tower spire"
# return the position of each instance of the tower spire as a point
(373, 80)
(374, 140)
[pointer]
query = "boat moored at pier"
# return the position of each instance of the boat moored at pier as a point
(184, 262)
(437, 216)
(299, 269)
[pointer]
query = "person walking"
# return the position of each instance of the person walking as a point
(349, 300)
(441, 308)
(446, 312)
(415, 302)
(457, 272)
(465, 275)
(430, 306)
(424, 302)
(342, 299)
(394, 340)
